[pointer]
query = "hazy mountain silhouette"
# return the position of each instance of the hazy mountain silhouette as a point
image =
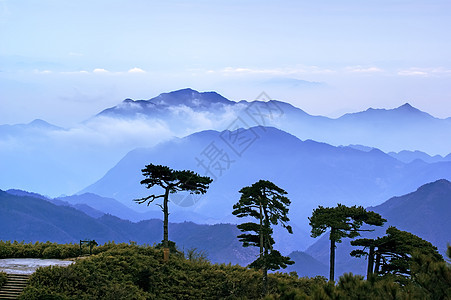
(410, 156)
(165, 102)
(425, 213)
(35, 127)
(63, 161)
(31, 218)
(306, 265)
(109, 206)
(401, 128)
(405, 111)
(312, 173)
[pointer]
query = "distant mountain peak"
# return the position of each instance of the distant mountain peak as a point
(38, 122)
(408, 108)
(438, 183)
(183, 97)
(41, 124)
(405, 110)
(190, 97)
(185, 91)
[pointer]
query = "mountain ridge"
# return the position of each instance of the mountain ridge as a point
(302, 168)
(26, 221)
(405, 109)
(176, 98)
(187, 97)
(67, 160)
(381, 128)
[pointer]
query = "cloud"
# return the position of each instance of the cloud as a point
(136, 71)
(288, 71)
(105, 71)
(74, 72)
(42, 72)
(360, 69)
(439, 71)
(100, 71)
(412, 73)
(231, 71)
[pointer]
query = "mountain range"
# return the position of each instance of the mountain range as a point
(32, 217)
(402, 128)
(245, 141)
(312, 173)
(65, 160)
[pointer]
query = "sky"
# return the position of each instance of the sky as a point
(65, 61)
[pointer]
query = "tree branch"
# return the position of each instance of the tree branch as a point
(151, 197)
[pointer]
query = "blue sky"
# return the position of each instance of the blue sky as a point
(64, 61)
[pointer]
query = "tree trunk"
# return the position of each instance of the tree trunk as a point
(261, 232)
(378, 263)
(332, 255)
(165, 226)
(265, 273)
(370, 269)
(262, 255)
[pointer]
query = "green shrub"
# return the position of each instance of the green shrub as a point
(17, 249)
(3, 278)
(123, 271)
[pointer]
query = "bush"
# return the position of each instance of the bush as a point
(3, 278)
(123, 271)
(17, 249)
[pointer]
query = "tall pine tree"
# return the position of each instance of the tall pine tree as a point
(267, 203)
(171, 181)
(343, 222)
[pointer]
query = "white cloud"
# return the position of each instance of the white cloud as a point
(239, 71)
(439, 71)
(105, 71)
(100, 71)
(136, 70)
(412, 73)
(288, 71)
(360, 69)
(74, 72)
(42, 72)
(122, 135)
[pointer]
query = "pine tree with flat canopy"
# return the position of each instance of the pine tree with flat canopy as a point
(171, 181)
(343, 222)
(392, 253)
(267, 203)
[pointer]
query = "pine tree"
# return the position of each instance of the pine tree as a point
(267, 203)
(172, 181)
(343, 222)
(391, 254)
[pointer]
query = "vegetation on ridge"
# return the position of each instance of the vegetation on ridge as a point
(122, 271)
(3, 278)
(397, 269)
